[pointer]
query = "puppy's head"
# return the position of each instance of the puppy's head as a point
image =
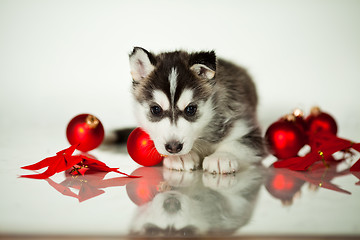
(173, 96)
(170, 214)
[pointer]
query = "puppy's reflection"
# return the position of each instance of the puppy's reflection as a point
(198, 203)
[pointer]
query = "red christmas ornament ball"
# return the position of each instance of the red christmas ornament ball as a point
(142, 149)
(285, 139)
(319, 121)
(87, 130)
(144, 189)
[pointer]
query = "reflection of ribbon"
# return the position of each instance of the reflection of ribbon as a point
(357, 174)
(89, 186)
(318, 175)
(321, 175)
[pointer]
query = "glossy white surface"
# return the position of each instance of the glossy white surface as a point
(34, 207)
(60, 59)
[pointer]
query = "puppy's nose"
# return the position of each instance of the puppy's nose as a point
(172, 205)
(173, 146)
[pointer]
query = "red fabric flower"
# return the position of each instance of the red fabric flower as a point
(64, 160)
(61, 162)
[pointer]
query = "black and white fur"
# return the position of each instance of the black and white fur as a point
(200, 111)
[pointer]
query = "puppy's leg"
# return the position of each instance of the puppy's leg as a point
(187, 162)
(237, 151)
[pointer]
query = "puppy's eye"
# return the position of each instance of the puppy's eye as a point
(190, 110)
(156, 110)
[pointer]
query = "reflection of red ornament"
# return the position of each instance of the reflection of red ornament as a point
(142, 149)
(86, 130)
(281, 184)
(319, 121)
(284, 138)
(144, 189)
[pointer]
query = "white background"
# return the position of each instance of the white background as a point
(62, 58)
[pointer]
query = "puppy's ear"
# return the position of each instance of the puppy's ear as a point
(142, 63)
(203, 64)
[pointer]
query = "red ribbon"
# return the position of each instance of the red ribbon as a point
(323, 146)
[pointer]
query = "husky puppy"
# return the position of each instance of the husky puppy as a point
(198, 203)
(200, 111)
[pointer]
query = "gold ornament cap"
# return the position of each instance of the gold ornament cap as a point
(315, 111)
(298, 112)
(92, 121)
(290, 117)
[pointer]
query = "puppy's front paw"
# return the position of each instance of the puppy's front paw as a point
(221, 162)
(187, 162)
